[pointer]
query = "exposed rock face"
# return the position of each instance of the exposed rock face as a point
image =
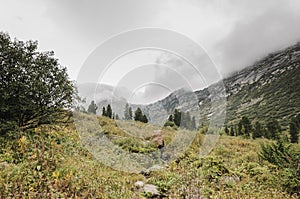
(269, 88)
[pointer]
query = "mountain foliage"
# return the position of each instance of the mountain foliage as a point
(33, 85)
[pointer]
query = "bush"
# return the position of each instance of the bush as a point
(285, 157)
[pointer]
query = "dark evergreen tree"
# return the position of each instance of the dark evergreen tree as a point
(109, 111)
(294, 130)
(257, 131)
(231, 131)
(171, 119)
(138, 115)
(274, 129)
(117, 117)
(92, 107)
(104, 112)
(144, 119)
(240, 127)
(177, 117)
(226, 130)
(244, 127)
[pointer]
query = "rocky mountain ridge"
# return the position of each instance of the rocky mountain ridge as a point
(268, 89)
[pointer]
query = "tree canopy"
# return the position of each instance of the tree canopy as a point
(33, 85)
(139, 116)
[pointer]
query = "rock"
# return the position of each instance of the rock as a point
(151, 169)
(231, 179)
(151, 190)
(139, 184)
(157, 138)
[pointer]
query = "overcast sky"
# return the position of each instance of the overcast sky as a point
(234, 33)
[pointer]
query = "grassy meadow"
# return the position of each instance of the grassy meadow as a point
(51, 162)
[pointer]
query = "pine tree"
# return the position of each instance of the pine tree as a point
(226, 130)
(294, 130)
(138, 115)
(171, 119)
(257, 131)
(177, 117)
(92, 107)
(117, 117)
(109, 111)
(103, 111)
(231, 131)
(145, 119)
(274, 129)
(244, 127)
(239, 131)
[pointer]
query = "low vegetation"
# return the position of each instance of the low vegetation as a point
(42, 154)
(50, 161)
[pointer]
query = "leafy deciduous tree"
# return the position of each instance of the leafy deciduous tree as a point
(33, 85)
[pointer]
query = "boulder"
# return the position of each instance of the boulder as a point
(151, 169)
(151, 190)
(157, 138)
(139, 184)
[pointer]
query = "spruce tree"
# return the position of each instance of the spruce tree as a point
(231, 131)
(177, 117)
(226, 130)
(257, 131)
(138, 115)
(244, 127)
(145, 119)
(171, 118)
(103, 111)
(109, 111)
(274, 129)
(294, 130)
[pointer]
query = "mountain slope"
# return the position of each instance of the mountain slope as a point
(268, 89)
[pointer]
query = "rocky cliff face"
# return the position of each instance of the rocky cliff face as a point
(268, 89)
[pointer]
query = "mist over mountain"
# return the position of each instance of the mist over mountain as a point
(267, 89)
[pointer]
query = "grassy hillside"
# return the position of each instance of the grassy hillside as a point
(50, 162)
